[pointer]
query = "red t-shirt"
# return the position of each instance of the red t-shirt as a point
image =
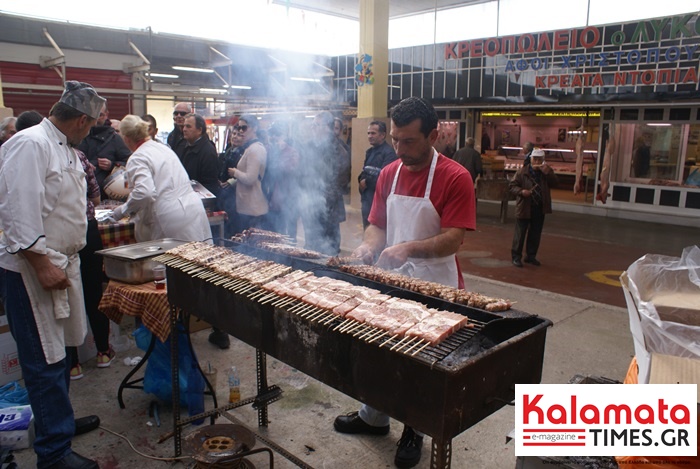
(452, 194)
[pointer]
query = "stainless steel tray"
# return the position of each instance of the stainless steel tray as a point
(134, 263)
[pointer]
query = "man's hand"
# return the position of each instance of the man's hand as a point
(394, 257)
(232, 172)
(364, 252)
(525, 193)
(50, 277)
(363, 185)
(105, 164)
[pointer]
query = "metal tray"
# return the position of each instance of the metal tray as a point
(134, 263)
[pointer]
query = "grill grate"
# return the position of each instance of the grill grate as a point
(412, 346)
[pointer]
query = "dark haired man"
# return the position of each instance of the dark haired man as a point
(379, 154)
(104, 149)
(152, 126)
(200, 158)
(28, 119)
(422, 207)
(43, 217)
(176, 139)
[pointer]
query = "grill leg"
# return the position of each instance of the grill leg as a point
(441, 454)
(261, 366)
(175, 376)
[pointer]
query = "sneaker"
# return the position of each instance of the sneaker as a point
(219, 338)
(409, 449)
(105, 359)
(76, 372)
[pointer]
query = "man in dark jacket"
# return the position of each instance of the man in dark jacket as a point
(325, 172)
(530, 186)
(470, 159)
(176, 139)
(377, 156)
(200, 158)
(104, 149)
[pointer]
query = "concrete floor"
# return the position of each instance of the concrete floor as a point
(590, 337)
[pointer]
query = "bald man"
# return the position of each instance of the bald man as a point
(176, 139)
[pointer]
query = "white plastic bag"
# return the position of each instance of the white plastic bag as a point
(663, 300)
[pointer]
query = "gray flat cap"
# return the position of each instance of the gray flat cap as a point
(83, 97)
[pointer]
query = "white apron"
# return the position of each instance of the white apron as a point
(415, 218)
(60, 314)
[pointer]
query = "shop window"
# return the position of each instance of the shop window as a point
(644, 196)
(650, 153)
(653, 114)
(629, 114)
(608, 114)
(692, 200)
(621, 193)
(679, 114)
(669, 198)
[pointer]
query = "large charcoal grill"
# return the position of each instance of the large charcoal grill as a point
(441, 390)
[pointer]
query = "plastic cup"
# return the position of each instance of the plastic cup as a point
(159, 277)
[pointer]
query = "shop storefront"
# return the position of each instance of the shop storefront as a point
(629, 90)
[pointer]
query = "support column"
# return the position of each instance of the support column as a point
(371, 96)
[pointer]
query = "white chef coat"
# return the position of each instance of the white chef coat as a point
(415, 218)
(162, 202)
(44, 211)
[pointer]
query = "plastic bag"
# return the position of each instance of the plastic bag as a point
(157, 379)
(663, 298)
(693, 178)
(12, 394)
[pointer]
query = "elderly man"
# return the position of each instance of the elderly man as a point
(470, 159)
(7, 129)
(176, 139)
(104, 149)
(200, 158)
(43, 217)
(379, 154)
(422, 207)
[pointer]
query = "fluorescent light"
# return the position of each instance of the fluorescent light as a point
(240, 87)
(394, 86)
(568, 114)
(192, 69)
(163, 75)
(212, 90)
(315, 80)
(659, 124)
(501, 114)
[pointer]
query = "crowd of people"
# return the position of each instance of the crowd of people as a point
(269, 178)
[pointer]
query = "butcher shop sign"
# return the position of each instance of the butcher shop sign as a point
(658, 55)
(606, 420)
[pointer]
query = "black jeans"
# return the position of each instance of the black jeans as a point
(530, 228)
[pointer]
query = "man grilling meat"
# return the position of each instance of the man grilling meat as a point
(423, 204)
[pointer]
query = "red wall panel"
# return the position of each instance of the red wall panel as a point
(21, 100)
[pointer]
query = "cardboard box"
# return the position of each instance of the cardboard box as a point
(16, 427)
(666, 369)
(197, 324)
(9, 361)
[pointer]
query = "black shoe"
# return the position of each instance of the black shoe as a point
(517, 263)
(86, 424)
(75, 461)
(220, 339)
(532, 260)
(352, 423)
(409, 449)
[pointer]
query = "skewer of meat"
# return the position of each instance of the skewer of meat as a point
(578, 184)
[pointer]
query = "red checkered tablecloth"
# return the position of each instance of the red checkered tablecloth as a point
(117, 234)
(142, 301)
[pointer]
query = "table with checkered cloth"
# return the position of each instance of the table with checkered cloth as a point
(142, 301)
(117, 234)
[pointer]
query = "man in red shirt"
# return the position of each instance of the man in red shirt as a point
(423, 204)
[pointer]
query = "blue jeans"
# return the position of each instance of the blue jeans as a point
(47, 385)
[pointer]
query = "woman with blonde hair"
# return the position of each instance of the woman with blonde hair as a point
(162, 202)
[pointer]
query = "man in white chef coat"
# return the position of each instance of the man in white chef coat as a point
(423, 204)
(42, 213)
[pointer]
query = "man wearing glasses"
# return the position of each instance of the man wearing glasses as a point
(176, 139)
